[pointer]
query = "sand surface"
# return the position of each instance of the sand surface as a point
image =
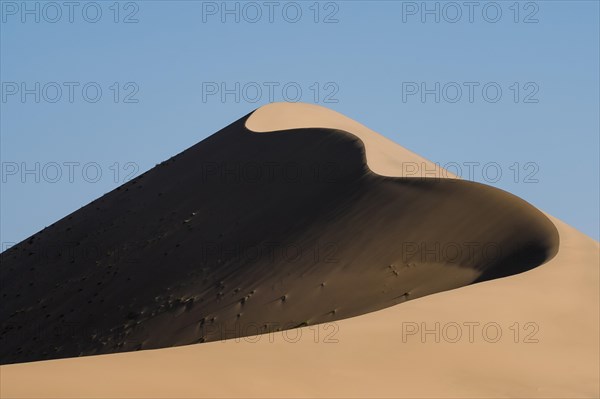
(548, 316)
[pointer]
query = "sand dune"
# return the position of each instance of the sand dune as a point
(191, 266)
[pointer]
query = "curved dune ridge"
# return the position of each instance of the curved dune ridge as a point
(247, 233)
(383, 156)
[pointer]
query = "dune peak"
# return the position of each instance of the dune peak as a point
(383, 156)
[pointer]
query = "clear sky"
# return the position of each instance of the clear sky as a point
(96, 92)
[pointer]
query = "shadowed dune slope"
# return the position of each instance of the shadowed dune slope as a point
(246, 233)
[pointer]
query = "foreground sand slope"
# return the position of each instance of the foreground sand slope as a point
(381, 354)
(370, 358)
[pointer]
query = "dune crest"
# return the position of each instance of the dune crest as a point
(384, 157)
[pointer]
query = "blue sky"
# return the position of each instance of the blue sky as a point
(96, 92)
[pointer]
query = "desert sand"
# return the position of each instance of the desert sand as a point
(532, 334)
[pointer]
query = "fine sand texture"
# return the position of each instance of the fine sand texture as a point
(296, 217)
